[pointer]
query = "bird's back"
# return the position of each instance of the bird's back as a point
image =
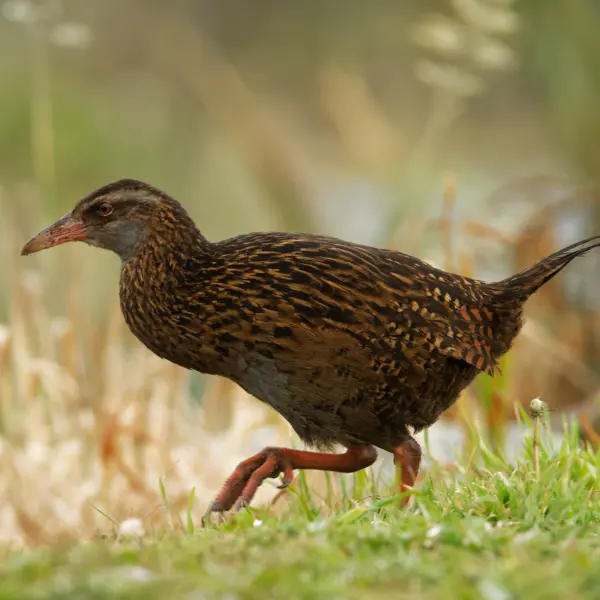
(385, 299)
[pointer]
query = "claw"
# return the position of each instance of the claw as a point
(207, 518)
(213, 507)
(288, 477)
(209, 515)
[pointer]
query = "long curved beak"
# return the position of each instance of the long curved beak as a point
(66, 229)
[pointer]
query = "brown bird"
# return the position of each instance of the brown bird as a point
(352, 345)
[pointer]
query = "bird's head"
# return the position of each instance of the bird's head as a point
(118, 217)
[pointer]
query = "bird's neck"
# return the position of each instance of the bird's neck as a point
(171, 260)
(169, 236)
(159, 280)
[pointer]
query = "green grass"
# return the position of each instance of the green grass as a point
(485, 530)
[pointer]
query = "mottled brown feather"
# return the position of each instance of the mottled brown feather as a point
(351, 344)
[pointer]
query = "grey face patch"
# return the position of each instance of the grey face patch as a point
(120, 236)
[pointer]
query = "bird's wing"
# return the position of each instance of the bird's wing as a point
(446, 313)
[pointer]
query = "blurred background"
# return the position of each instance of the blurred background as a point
(464, 131)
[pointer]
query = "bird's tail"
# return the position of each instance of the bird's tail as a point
(525, 283)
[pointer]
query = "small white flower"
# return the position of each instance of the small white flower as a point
(257, 523)
(537, 407)
(131, 528)
(433, 532)
(315, 526)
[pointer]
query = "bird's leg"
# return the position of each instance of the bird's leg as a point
(407, 458)
(270, 462)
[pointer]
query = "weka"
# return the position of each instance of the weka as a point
(352, 345)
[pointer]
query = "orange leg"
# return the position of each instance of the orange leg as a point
(407, 458)
(249, 474)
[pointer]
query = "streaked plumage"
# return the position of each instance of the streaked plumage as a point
(352, 344)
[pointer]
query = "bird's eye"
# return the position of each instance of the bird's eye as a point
(105, 209)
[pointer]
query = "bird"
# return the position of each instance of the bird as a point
(354, 346)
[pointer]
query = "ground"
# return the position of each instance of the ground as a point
(484, 530)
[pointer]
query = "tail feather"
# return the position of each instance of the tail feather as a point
(526, 282)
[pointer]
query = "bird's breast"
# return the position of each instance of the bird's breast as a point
(167, 319)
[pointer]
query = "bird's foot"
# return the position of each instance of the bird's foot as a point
(240, 487)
